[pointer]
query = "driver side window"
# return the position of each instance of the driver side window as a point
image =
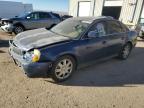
(34, 16)
(98, 30)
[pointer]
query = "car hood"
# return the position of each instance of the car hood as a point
(10, 19)
(37, 38)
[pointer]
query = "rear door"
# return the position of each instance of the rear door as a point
(115, 37)
(46, 19)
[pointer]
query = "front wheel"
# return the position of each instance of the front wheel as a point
(125, 52)
(63, 68)
(18, 29)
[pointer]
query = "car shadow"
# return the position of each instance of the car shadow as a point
(44, 75)
(113, 72)
(2, 51)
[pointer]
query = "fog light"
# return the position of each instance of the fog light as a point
(36, 55)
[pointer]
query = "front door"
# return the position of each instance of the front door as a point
(32, 21)
(91, 49)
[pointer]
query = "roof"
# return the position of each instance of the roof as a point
(90, 19)
(41, 11)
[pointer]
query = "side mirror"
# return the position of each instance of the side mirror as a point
(92, 34)
(28, 17)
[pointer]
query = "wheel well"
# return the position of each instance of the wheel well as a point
(19, 24)
(129, 42)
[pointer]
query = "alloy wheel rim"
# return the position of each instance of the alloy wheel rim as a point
(18, 30)
(64, 68)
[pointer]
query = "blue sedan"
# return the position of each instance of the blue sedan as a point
(71, 44)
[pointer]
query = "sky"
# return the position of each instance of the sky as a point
(49, 5)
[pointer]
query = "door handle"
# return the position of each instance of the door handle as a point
(104, 42)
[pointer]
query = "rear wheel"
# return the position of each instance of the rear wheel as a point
(18, 29)
(125, 52)
(63, 68)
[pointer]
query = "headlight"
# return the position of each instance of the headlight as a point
(36, 55)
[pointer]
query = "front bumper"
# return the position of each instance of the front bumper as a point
(7, 28)
(36, 69)
(30, 69)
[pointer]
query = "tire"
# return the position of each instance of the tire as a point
(125, 52)
(61, 67)
(18, 29)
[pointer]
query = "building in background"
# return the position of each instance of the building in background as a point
(142, 16)
(11, 9)
(127, 11)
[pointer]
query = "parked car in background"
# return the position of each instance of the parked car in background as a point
(138, 27)
(141, 33)
(141, 26)
(64, 17)
(28, 21)
(71, 44)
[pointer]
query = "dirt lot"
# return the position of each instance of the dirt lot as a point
(110, 84)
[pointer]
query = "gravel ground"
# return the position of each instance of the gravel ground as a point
(109, 84)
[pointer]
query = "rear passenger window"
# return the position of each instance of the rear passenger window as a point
(114, 27)
(44, 15)
(56, 15)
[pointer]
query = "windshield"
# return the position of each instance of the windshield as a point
(23, 14)
(70, 28)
